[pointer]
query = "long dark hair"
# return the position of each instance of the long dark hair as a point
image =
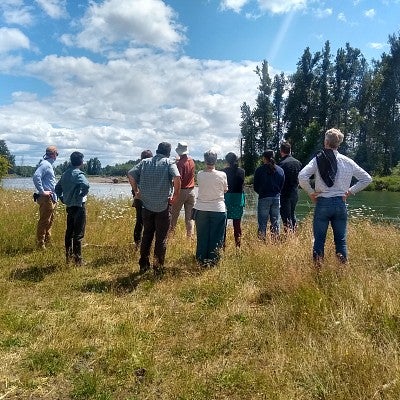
(232, 160)
(271, 163)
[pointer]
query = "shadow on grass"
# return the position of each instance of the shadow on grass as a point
(120, 285)
(14, 251)
(185, 265)
(32, 274)
(111, 256)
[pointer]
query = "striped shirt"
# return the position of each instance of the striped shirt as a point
(346, 170)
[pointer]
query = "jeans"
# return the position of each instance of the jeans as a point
(268, 209)
(154, 224)
(330, 210)
(210, 229)
(76, 223)
(288, 206)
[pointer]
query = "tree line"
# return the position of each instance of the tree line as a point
(341, 91)
(92, 167)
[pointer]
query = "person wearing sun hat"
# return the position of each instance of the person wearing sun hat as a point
(44, 180)
(187, 197)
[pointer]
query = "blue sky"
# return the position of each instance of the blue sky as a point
(111, 78)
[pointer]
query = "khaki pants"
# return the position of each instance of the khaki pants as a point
(187, 199)
(46, 216)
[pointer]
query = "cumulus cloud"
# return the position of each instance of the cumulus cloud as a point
(55, 9)
(115, 109)
(342, 17)
(140, 22)
(17, 15)
(12, 39)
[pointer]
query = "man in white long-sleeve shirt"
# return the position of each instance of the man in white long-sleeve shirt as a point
(333, 174)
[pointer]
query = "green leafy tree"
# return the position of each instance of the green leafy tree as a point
(24, 170)
(302, 103)
(4, 166)
(324, 77)
(249, 154)
(6, 153)
(387, 118)
(61, 168)
(263, 112)
(93, 166)
(278, 102)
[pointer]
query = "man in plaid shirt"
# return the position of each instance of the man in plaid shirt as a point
(156, 182)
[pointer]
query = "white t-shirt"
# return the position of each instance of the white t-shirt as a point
(212, 186)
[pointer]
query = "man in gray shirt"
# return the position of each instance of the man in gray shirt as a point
(156, 182)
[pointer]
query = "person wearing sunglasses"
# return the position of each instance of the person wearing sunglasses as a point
(44, 180)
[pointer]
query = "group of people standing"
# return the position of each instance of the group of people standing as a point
(162, 185)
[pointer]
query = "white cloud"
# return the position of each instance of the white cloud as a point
(377, 46)
(18, 16)
(12, 39)
(140, 22)
(370, 13)
(282, 6)
(235, 5)
(342, 17)
(114, 110)
(55, 9)
(323, 13)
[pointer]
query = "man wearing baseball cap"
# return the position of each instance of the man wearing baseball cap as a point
(44, 180)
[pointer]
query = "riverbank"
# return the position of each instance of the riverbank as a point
(261, 325)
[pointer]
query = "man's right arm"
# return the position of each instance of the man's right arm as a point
(37, 180)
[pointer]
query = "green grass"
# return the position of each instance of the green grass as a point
(261, 325)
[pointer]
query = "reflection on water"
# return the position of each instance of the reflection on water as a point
(374, 205)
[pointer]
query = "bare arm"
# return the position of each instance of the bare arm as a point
(135, 188)
(177, 188)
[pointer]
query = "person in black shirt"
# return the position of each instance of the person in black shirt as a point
(289, 194)
(234, 197)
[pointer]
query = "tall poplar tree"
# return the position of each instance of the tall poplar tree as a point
(263, 112)
(278, 102)
(248, 146)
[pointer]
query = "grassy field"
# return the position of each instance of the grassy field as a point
(262, 325)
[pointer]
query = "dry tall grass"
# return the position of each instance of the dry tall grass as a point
(262, 325)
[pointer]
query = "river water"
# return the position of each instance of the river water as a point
(382, 206)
